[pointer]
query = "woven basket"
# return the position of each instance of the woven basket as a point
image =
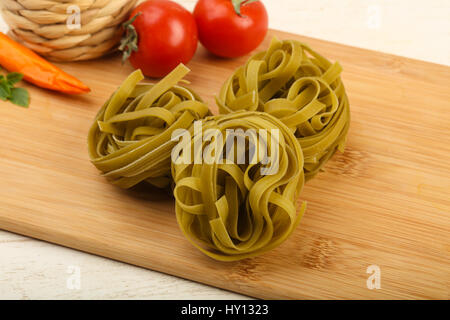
(42, 26)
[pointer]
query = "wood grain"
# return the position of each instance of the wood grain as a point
(385, 201)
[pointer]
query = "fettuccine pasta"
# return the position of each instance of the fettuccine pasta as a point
(233, 210)
(130, 139)
(301, 88)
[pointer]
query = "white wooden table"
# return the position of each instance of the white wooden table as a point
(32, 269)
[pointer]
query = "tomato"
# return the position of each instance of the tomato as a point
(164, 35)
(225, 32)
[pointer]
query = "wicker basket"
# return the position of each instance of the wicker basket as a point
(42, 26)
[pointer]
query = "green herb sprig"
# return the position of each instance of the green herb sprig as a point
(8, 91)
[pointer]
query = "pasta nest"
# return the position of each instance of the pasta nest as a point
(301, 88)
(130, 139)
(231, 209)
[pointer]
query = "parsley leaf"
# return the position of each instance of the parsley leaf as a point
(5, 90)
(18, 96)
(14, 77)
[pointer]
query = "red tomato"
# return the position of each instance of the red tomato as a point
(226, 33)
(166, 36)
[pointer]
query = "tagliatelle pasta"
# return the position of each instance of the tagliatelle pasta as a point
(130, 139)
(237, 175)
(301, 88)
(232, 209)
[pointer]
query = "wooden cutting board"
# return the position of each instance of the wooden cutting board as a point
(384, 202)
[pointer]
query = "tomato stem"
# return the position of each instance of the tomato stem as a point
(238, 3)
(129, 42)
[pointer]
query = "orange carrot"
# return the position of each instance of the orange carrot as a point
(16, 58)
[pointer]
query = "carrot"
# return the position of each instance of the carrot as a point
(17, 58)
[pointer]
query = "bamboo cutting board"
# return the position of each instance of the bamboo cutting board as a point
(384, 202)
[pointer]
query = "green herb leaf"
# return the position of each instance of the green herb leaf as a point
(5, 90)
(14, 77)
(20, 97)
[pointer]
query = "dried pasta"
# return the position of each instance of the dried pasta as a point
(301, 88)
(130, 139)
(231, 210)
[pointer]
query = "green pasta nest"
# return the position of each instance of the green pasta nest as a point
(301, 88)
(230, 209)
(130, 139)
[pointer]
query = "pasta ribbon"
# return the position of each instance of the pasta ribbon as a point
(300, 87)
(232, 209)
(130, 139)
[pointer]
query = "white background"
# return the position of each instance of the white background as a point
(32, 269)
